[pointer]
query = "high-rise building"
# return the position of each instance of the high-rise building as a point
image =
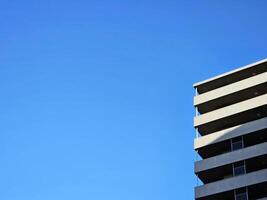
(231, 135)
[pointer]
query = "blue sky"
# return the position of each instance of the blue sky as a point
(96, 96)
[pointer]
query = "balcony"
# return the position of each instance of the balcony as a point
(231, 77)
(221, 136)
(231, 157)
(228, 185)
(231, 94)
(255, 192)
(232, 115)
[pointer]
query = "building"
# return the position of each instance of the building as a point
(231, 135)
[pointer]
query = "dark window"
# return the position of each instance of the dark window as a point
(237, 143)
(239, 168)
(241, 194)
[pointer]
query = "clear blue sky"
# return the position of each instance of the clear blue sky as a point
(96, 96)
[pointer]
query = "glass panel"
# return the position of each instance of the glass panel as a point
(239, 168)
(241, 196)
(237, 143)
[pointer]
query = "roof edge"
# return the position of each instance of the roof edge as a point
(230, 72)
